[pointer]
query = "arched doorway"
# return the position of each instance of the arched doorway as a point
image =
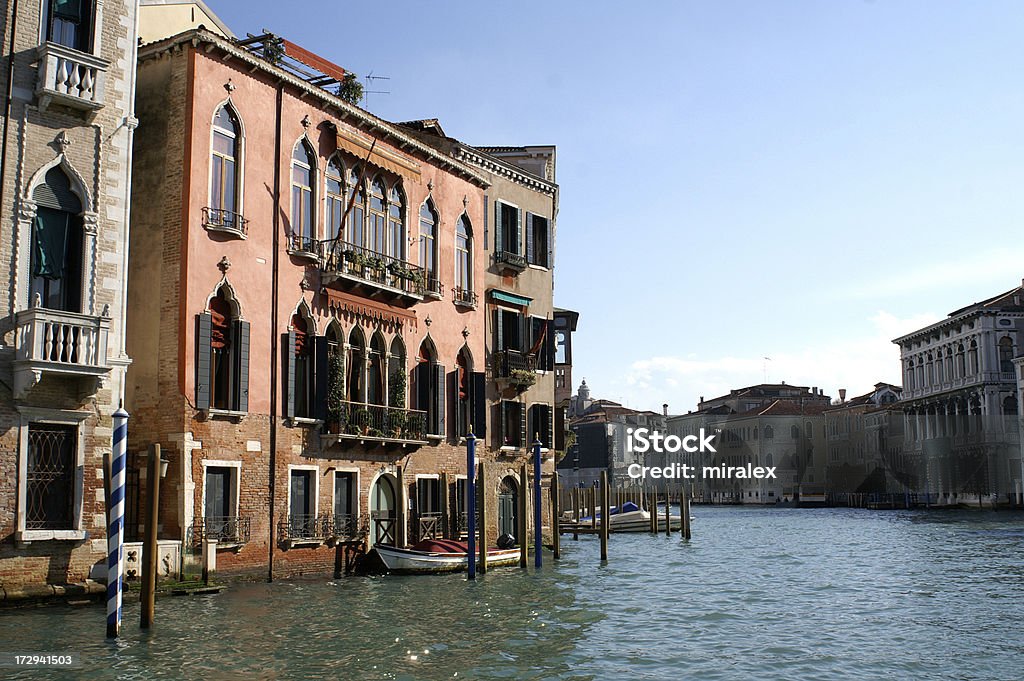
(384, 510)
(508, 507)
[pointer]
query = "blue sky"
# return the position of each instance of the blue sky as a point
(799, 180)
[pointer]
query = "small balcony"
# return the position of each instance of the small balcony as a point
(514, 369)
(433, 288)
(302, 246)
(61, 343)
(70, 78)
(228, 531)
(463, 297)
(510, 261)
(226, 221)
(346, 265)
(304, 530)
(376, 423)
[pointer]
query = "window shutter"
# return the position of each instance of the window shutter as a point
(525, 343)
(478, 393)
(550, 442)
(549, 343)
(531, 422)
(289, 363)
(498, 246)
(454, 412)
(241, 332)
(203, 360)
(519, 232)
(529, 238)
(559, 426)
(422, 376)
(523, 441)
(487, 201)
(499, 336)
(321, 377)
(439, 399)
(551, 245)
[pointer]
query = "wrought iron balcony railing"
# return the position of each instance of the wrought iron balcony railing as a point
(375, 421)
(304, 246)
(510, 259)
(345, 260)
(305, 528)
(55, 341)
(507, 361)
(225, 529)
(346, 527)
(434, 287)
(464, 296)
(69, 77)
(220, 220)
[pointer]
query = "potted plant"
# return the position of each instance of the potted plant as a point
(361, 418)
(335, 390)
(397, 420)
(522, 378)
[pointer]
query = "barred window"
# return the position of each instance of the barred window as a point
(50, 477)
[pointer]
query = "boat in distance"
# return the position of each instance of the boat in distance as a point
(439, 555)
(628, 518)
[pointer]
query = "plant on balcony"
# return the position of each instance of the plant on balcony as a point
(349, 255)
(376, 264)
(396, 386)
(376, 432)
(522, 378)
(335, 390)
(397, 421)
(361, 418)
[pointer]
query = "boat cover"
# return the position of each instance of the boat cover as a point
(440, 546)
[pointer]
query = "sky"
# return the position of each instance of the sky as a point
(801, 181)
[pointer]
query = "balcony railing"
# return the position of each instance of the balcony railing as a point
(305, 528)
(220, 220)
(510, 259)
(304, 246)
(364, 266)
(58, 342)
(69, 77)
(379, 422)
(428, 526)
(464, 296)
(434, 287)
(346, 527)
(225, 529)
(507, 361)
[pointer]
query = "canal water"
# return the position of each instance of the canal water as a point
(757, 593)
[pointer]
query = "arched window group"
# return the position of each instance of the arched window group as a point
(428, 245)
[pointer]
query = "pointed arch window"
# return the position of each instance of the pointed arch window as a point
(396, 223)
(429, 381)
(1006, 354)
(357, 216)
(396, 374)
(303, 233)
(222, 356)
(334, 208)
(375, 370)
(377, 222)
(356, 365)
(57, 244)
(69, 23)
(225, 209)
(428, 246)
(463, 291)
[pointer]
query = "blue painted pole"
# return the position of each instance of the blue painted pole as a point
(471, 502)
(536, 504)
(115, 522)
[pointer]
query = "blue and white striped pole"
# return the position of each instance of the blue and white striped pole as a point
(115, 522)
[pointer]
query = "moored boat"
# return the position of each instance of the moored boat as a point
(630, 518)
(439, 555)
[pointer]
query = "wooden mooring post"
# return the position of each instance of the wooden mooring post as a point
(593, 508)
(522, 529)
(604, 515)
(481, 489)
(149, 548)
(668, 512)
(684, 511)
(556, 530)
(652, 500)
(576, 513)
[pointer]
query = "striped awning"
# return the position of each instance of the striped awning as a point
(381, 157)
(505, 297)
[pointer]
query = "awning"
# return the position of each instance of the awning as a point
(381, 157)
(509, 297)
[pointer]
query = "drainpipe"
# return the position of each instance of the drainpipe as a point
(273, 326)
(8, 96)
(130, 123)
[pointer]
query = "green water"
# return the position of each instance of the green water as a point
(757, 593)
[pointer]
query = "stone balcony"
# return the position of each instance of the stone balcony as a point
(70, 78)
(60, 343)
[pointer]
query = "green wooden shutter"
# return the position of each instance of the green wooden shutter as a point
(203, 323)
(551, 428)
(549, 342)
(439, 399)
(523, 439)
(455, 412)
(478, 395)
(499, 336)
(498, 245)
(321, 377)
(551, 244)
(241, 357)
(289, 359)
(422, 376)
(559, 426)
(518, 247)
(501, 429)
(530, 254)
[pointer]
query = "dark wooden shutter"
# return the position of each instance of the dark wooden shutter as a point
(241, 332)
(203, 322)
(454, 417)
(498, 245)
(499, 336)
(478, 392)
(551, 244)
(439, 399)
(501, 429)
(551, 428)
(559, 425)
(422, 377)
(529, 238)
(487, 206)
(518, 248)
(549, 342)
(524, 440)
(289, 375)
(321, 377)
(531, 423)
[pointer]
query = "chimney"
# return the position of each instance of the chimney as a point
(814, 390)
(664, 409)
(701, 398)
(842, 395)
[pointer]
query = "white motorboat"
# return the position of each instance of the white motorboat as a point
(629, 518)
(439, 555)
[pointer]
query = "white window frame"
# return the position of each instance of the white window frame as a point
(334, 490)
(522, 246)
(60, 417)
(239, 159)
(96, 39)
(236, 477)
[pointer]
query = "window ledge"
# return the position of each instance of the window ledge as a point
(465, 303)
(509, 448)
(540, 268)
(433, 295)
(299, 543)
(52, 535)
(303, 421)
(434, 438)
(225, 414)
(306, 255)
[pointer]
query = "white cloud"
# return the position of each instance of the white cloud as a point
(854, 363)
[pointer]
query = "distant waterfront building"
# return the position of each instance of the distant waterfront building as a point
(865, 446)
(69, 73)
(961, 400)
(764, 425)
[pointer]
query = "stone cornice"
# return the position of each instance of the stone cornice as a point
(953, 321)
(349, 113)
(497, 166)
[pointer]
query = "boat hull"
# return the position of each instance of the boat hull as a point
(410, 561)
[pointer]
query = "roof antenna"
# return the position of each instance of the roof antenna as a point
(367, 91)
